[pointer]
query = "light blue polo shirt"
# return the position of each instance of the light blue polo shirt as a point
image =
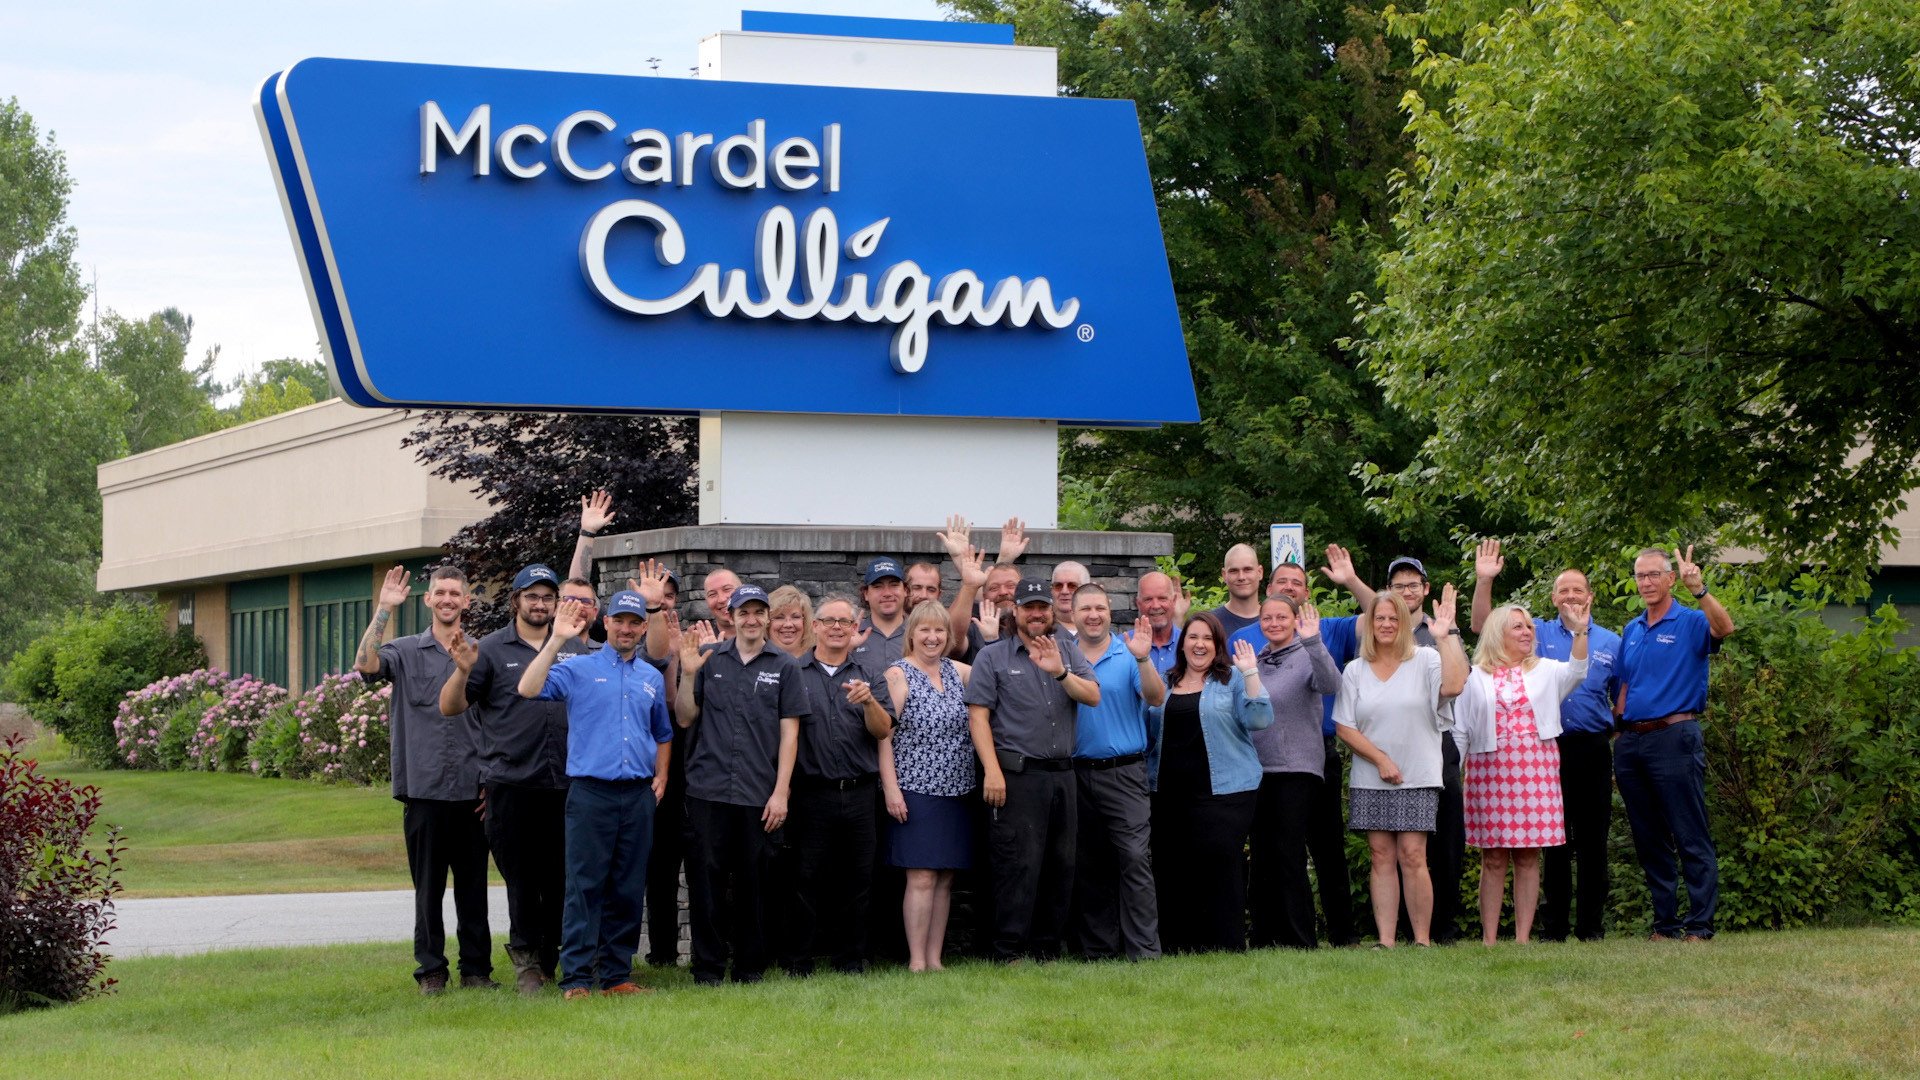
(616, 713)
(1117, 725)
(1664, 666)
(1590, 706)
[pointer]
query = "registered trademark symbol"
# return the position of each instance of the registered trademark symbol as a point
(1084, 332)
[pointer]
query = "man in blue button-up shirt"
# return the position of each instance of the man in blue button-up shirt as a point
(618, 743)
(1586, 750)
(1661, 760)
(1113, 872)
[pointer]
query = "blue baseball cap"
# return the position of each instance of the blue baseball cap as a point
(882, 567)
(627, 602)
(536, 574)
(1406, 562)
(746, 593)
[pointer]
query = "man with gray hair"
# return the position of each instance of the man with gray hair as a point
(1067, 579)
(1660, 760)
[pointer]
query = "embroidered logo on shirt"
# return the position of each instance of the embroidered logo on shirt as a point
(1666, 639)
(767, 678)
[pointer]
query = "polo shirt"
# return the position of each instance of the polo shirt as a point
(522, 742)
(1163, 656)
(736, 738)
(433, 756)
(1118, 725)
(881, 649)
(834, 741)
(616, 710)
(1590, 707)
(1664, 665)
(1031, 713)
(1343, 644)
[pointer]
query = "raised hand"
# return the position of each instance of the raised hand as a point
(693, 654)
(1045, 652)
(464, 651)
(596, 511)
(972, 565)
(858, 692)
(704, 634)
(652, 582)
(1182, 601)
(1013, 540)
(1444, 611)
(1309, 625)
(675, 636)
(1574, 614)
(1339, 568)
(988, 621)
(570, 621)
(1245, 660)
(957, 537)
(396, 588)
(1690, 574)
(1140, 642)
(1487, 562)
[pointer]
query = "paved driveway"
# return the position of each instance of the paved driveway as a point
(176, 925)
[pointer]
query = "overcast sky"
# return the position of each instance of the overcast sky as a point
(152, 104)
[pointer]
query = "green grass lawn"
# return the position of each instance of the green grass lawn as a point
(199, 834)
(1816, 1003)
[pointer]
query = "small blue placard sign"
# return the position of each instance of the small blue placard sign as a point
(508, 239)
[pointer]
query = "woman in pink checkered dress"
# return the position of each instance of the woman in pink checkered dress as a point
(1505, 722)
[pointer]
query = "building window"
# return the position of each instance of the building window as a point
(257, 629)
(335, 607)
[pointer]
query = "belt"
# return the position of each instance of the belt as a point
(824, 783)
(1642, 727)
(1110, 762)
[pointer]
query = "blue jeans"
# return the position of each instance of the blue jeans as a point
(1662, 777)
(609, 837)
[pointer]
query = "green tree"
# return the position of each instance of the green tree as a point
(1662, 273)
(58, 417)
(1271, 132)
(169, 400)
(278, 386)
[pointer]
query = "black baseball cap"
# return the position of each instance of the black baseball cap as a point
(1032, 591)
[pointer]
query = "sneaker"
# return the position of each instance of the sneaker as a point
(625, 988)
(433, 984)
(576, 993)
(478, 982)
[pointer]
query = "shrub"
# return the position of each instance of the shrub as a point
(147, 725)
(343, 729)
(73, 679)
(56, 892)
(275, 749)
(228, 727)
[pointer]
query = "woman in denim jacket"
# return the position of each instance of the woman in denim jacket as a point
(1206, 779)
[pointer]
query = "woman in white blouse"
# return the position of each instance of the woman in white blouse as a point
(1505, 723)
(1391, 710)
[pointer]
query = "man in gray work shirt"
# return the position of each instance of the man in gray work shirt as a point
(1022, 702)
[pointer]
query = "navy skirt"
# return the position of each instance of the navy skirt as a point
(937, 835)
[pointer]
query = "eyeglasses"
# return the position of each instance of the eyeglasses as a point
(578, 600)
(1408, 586)
(836, 621)
(533, 598)
(1650, 575)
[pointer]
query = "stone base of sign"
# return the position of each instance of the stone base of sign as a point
(820, 559)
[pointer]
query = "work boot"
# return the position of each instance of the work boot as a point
(433, 984)
(526, 971)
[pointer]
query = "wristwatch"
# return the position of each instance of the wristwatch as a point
(1702, 594)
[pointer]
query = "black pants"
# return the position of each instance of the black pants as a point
(1200, 868)
(446, 835)
(1586, 788)
(526, 829)
(832, 835)
(1032, 837)
(1117, 911)
(663, 865)
(729, 866)
(1446, 851)
(1327, 845)
(1282, 895)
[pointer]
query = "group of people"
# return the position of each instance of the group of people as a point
(1117, 795)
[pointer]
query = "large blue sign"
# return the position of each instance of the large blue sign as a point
(520, 239)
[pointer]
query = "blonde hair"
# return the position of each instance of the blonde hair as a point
(1490, 653)
(927, 611)
(787, 596)
(1402, 643)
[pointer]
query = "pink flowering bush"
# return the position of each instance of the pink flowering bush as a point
(225, 730)
(141, 725)
(343, 729)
